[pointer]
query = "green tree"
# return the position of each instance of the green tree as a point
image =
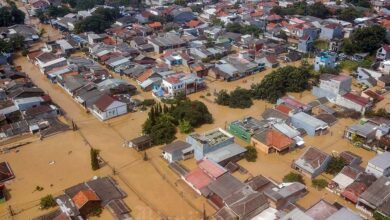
(319, 183)
(251, 154)
(336, 165)
(180, 2)
(47, 202)
(185, 126)
(94, 159)
(366, 39)
(293, 177)
(348, 14)
(163, 132)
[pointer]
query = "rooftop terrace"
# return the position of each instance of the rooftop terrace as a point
(212, 137)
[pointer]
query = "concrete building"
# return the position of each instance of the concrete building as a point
(325, 60)
(215, 144)
(107, 107)
(379, 165)
(310, 124)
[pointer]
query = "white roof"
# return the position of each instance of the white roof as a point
(64, 44)
(52, 62)
(119, 62)
(268, 214)
(342, 180)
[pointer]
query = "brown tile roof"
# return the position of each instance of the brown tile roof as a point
(145, 75)
(103, 102)
(155, 24)
(84, 196)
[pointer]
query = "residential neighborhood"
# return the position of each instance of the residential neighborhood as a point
(171, 109)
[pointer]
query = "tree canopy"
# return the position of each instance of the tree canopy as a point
(10, 16)
(366, 39)
(302, 8)
(238, 98)
(101, 19)
(162, 120)
(243, 29)
(283, 80)
(336, 165)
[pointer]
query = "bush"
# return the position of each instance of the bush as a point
(94, 159)
(293, 177)
(149, 102)
(47, 202)
(96, 211)
(251, 154)
(336, 165)
(185, 127)
(239, 98)
(319, 183)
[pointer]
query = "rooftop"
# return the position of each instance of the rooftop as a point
(212, 137)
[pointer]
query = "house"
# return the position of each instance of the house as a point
(310, 124)
(350, 158)
(269, 61)
(379, 165)
(246, 128)
(346, 177)
(325, 60)
(86, 201)
(365, 132)
(80, 200)
(355, 189)
(367, 77)
(167, 41)
(383, 53)
(284, 194)
(312, 163)
(6, 173)
(268, 141)
(177, 150)
(286, 104)
(182, 15)
(206, 172)
(354, 102)
(178, 83)
(234, 67)
(306, 44)
(141, 143)
(107, 107)
(331, 31)
(218, 141)
(375, 196)
(331, 85)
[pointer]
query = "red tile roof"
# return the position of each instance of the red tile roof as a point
(197, 178)
(84, 196)
(155, 24)
(356, 99)
(193, 23)
(211, 168)
(145, 75)
(278, 140)
(283, 108)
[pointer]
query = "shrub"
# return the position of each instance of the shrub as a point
(251, 154)
(94, 159)
(47, 202)
(149, 102)
(319, 183)
(239, 98)
(293, 177)
(185, 126)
